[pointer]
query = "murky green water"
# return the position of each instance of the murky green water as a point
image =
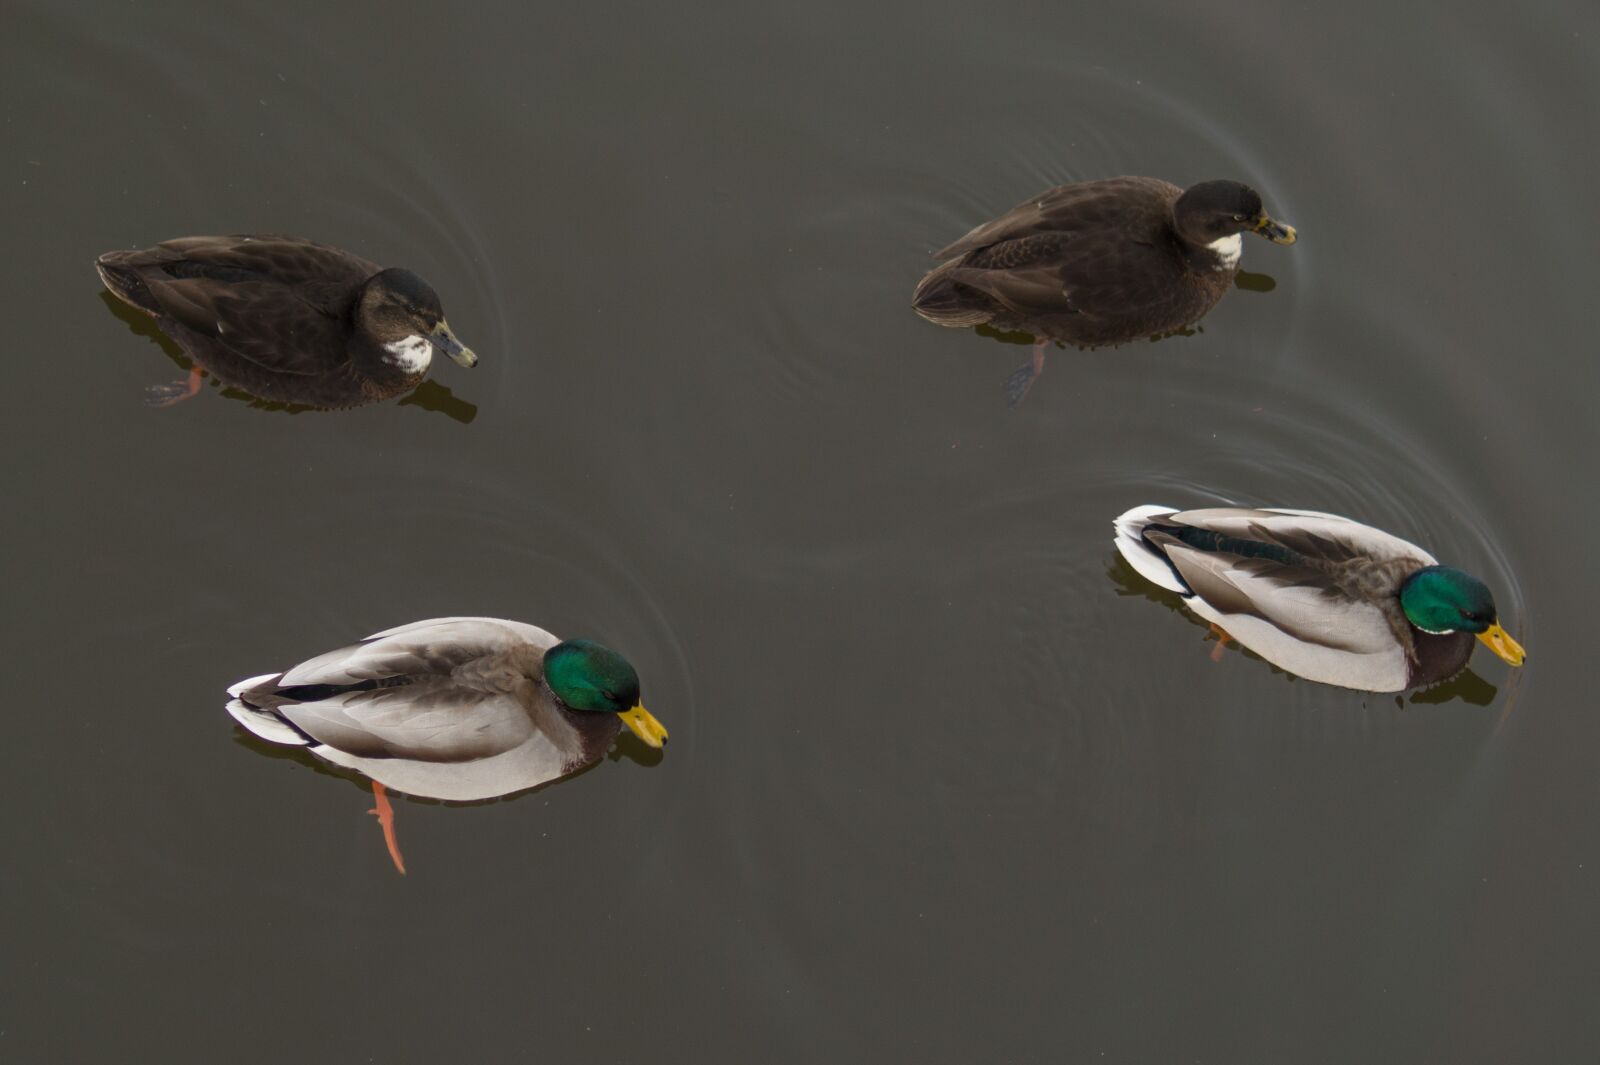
(945, 784)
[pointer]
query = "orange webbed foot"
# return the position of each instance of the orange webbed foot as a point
(177, 392)
(1022, 379)
(385, 815)
(1222, 642)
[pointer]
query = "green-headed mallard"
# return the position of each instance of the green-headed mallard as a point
(1096, 263)
(285, 319)
(1320, 596)
(452, 708)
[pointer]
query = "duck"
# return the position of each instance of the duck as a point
(1098, 263)
(1317, 595)
(457, 708)
(285, 319)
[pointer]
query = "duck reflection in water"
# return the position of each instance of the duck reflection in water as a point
(429, 395)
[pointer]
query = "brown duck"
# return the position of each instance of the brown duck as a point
(1097, 263)
(285, 319)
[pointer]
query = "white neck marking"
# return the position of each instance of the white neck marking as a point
(413, 354)
(1228, 250)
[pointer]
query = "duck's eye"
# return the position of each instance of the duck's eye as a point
(1238, 218)
(609, 697)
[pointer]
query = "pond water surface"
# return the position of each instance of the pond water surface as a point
(946, 782)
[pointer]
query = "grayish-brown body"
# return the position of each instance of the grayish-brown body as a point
(449, 708)
(1316, 594)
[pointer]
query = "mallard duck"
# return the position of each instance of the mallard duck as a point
(1320, 596)
(1096, 263)
(285, 319)
(452, 708)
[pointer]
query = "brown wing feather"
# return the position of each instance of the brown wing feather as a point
(1092, 263)
(325, 276)
(1099, 274)
(1118, 202)
(263, 322)
(280, 303)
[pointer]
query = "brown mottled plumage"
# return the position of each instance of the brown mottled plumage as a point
(286, 319)
(1098, 262)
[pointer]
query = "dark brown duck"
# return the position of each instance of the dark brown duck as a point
(286, 319)
(1099, 262)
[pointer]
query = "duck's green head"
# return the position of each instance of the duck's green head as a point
(1440, 599)
(595, 679)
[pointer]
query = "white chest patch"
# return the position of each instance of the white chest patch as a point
(1227, 249)
(411, 354)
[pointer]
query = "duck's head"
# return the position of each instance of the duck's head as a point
(1215, 210)
(401, 312)
(592, 679)
(1440, 599)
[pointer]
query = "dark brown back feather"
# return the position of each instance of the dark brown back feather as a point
(273, 315)
(1090, 264)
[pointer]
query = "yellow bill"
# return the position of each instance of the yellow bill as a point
(445, 341)
(647, 728)
(1274, 230)
(1500, 642)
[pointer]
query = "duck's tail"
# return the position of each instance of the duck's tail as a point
(943, 300)
(260, 719)
(119, 272)
(1148, 560)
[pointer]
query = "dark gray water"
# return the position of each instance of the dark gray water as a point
(945, 783)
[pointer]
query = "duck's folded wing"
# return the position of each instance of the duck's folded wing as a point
(1291, 615)
(1095, 274)
(441, 750)
(1093, 204)
(490, 632)
(433, 647)
(321, 273)
(1310, 533)
(265, 322)
(426, 722)
(279, 302)
(1027, 291)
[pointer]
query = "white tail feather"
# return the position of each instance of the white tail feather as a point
(1150, 564)
(265, 725)
(238, 689)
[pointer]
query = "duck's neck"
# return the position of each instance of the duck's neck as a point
(1220, 254)
(412, 355)
(1226, 251)
(590, 727)
(405, 358)
(398, 361)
